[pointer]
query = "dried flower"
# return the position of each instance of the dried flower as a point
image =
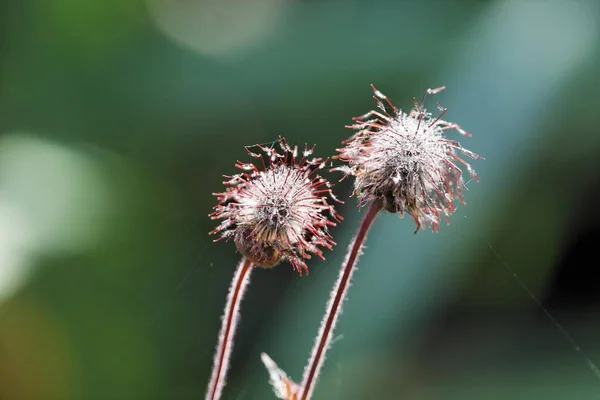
(279, 212)
(402, 163)
(406, 162)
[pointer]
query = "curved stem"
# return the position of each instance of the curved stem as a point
(334, 307)
(230, 318)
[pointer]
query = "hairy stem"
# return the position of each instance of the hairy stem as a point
(334, 306)
(230, 318)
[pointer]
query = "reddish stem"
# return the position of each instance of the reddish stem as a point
(335, 302)
(230, 318)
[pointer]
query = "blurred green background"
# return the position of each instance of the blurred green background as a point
(118, 119)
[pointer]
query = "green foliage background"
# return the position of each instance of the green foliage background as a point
(118, 119)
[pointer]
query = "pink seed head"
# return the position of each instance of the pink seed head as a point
(406, 162)
(280, 210)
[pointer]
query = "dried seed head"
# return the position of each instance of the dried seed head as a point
(280, 211)
(405, 161)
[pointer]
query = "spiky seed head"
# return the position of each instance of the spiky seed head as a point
(405, 161)
(280, 210)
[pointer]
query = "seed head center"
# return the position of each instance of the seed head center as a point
(277, 210)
